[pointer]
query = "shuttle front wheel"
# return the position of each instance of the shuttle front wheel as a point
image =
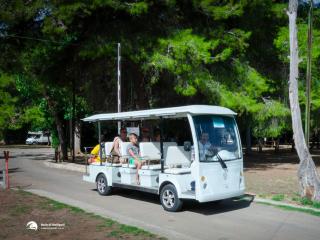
(102, 185)
(169, 198)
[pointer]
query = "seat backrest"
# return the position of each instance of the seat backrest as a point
(123, 148)
(165, 147)
(150, 150)
(177, 156)
(108, 147)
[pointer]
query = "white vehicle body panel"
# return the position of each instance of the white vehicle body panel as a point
(202, 181)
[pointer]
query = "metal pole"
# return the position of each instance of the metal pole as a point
(4, 185)
(119, 84)
(100, 148)
(309, 76)
(86, 159)
(161, 145)
(73, 117)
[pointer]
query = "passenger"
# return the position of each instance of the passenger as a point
(156, 135)
(204, 146)
(134, 151)
(95, 153)
(115, 151)
(145, 135)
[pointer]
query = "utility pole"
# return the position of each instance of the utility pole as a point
(73, 117)
(119, 84)
(309, 76)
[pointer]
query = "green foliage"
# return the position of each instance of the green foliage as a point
(271, 120)
(35, 117)
(7, 103)
(220, 10)
(222, 52)
(137, 8)
(282, 44)
(185, 55)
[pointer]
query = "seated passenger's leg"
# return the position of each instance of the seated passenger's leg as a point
(138, 166)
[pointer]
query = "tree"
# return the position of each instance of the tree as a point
(307, 173)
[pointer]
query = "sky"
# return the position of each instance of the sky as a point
(315, 2)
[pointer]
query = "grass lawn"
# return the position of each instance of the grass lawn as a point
(17, 208)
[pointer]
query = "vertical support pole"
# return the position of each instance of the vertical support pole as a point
(73, 117)
(4, 185)
(119, 83)
(161, 145)
(86, 159)
(309, 76)
(100, 148)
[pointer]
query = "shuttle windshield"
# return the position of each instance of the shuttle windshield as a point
(217, 138)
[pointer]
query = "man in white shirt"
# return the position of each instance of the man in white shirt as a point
(204, 146)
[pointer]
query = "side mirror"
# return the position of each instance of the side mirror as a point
(187, 146)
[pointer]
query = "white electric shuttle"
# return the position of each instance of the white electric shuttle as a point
(198, 156)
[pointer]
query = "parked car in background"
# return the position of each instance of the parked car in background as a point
(37, 138)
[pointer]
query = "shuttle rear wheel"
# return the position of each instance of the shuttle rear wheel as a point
(102, 185)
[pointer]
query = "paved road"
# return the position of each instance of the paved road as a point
(227, 220)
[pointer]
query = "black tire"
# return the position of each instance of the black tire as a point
(102, 185)
(169, 199)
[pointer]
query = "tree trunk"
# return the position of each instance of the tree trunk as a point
(260, 145)
(276, 145)
(61, 136)
(59, 126)
(77, 139)
(307, 173)
(248, 139)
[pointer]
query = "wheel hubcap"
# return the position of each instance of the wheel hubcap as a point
(168, 198)
(101, 185)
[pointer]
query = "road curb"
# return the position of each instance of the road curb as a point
(66, 166)
(277, 203)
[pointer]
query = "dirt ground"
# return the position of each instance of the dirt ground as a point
(270, 173)
(17, 208)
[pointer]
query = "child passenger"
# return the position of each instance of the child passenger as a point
(134, 151)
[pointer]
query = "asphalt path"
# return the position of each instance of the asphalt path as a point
(230, 219)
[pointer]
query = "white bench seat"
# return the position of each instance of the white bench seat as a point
(116, 165)
(178, 170)
(126, 165)
(152, 167)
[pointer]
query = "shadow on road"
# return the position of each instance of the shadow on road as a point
(270, 159)
(36, 157)
(12, 170)
(208, 208)
(217, 207)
